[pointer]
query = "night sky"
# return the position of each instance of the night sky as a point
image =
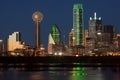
(16, 15)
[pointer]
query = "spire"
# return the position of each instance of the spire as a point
(99, 18)
(95, 17)
(90, 18)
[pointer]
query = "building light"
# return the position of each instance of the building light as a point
(1, 40)
(73, 38)
(99, 33)
(55, 53)
(60, 53)
(77, 55)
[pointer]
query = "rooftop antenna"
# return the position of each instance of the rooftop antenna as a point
(90, 18)
(99, 18)
(95, 16)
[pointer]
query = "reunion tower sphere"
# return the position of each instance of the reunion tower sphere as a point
(37, 16)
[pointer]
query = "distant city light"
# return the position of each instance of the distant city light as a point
(97, 40)
(77, 55)
(99, 33)
(55, 53)
(1, 40)
(60, 53)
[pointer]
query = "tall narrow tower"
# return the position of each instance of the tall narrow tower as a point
(37, 18)
(78, 24)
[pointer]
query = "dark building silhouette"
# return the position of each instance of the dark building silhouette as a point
(110, 29)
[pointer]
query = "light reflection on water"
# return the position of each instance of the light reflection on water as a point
(60, 73)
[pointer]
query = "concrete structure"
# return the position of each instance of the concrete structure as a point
(37, 18)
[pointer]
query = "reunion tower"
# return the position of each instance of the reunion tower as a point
(37, 18)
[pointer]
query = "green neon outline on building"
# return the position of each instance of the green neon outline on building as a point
(78, 24)
(55, 32)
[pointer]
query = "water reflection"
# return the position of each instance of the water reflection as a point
(36, 76)
(60, 73)
(94, 74)
(77, 74)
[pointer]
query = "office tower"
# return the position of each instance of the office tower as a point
(14, 42)
(54, 39)
(55, 33)
(94, 40)
(78, 24)
(37, 18)
(85, 36)
(95, 26)
(111, 30)
(71, 38)
(90, 45)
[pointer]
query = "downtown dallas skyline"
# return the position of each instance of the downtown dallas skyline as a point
(16, 16)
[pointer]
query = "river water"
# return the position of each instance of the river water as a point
(61, 73)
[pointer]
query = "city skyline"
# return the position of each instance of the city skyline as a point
(16, 16)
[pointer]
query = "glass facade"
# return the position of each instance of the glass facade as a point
(55, 32)
(78, 24)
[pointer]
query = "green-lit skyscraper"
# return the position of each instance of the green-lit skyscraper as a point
(78, 24)
(55, 33)
(54, 40)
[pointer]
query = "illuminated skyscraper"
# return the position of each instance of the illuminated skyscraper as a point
(95, 26)
(96, 34)
(78, 24)
(37, 18)
(55, 33)
(14, 42)
(54, 39)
